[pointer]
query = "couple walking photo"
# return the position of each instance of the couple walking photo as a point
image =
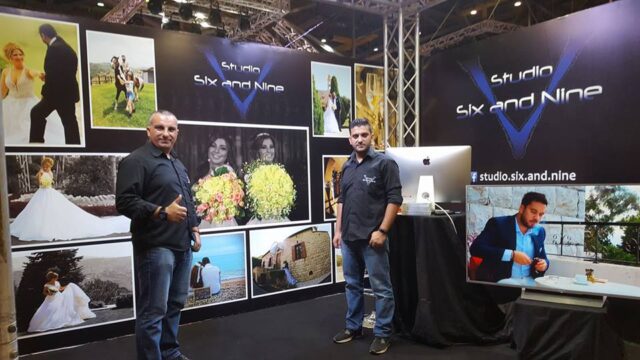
(50, 119)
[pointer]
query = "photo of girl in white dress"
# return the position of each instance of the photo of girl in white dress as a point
(62, 306)
(49, 215)
(331, 99)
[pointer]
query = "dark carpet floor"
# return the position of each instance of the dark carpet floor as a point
(300, 330)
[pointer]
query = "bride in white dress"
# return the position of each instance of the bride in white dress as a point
(62, 306)
(50, 216)
(330, 121)
(18, 95)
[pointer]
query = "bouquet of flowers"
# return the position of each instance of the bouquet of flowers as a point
(219, 197)
(271, 193)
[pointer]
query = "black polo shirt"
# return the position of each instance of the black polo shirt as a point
(147, 178)
(365, 190)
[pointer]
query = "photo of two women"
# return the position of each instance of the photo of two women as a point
(244, 175)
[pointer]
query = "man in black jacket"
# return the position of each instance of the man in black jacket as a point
(60, 91)
(154, 191)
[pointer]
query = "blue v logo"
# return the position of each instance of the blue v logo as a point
(241, 105)
(519, 138)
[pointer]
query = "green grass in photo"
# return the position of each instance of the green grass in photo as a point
(103, 115)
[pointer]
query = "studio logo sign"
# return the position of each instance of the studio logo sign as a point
(233, 78)
(535, 102)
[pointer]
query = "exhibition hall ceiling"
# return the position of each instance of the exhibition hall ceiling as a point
(346, 27)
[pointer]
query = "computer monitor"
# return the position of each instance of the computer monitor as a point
(449, 166)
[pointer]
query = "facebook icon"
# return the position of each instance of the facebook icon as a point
(474, 177)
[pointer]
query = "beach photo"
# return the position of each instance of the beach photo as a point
(331, 99)
(68, 288)
(218, 271)
(290, 258)
(40, 82)
(122, 80)
(56, 198)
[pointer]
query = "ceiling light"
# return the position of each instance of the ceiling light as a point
(245, 22)
(205, 24)
(323, 40)
(327, 48)
(155, 6)
(185, 11)
(100, 4)
(375, 49)
(517, 3)
(473, 12)
(215, 17)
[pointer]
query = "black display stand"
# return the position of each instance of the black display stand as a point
(543, 330)
(434, 302)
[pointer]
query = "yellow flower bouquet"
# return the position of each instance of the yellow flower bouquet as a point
(271, 193)
(219, 198)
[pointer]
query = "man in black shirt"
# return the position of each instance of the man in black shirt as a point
(370, 194)
(154, 191)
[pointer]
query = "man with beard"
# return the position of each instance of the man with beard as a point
(513, 246)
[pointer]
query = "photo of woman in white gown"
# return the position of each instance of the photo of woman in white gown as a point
(49, 215)
(330, 121)
(62, 306)
(17, 87)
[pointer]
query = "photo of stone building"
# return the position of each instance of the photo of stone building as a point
(294, 261)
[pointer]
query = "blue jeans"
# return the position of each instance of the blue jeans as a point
(163, 284)
(356, 255)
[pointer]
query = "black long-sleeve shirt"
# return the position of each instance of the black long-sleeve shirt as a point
(365, 190)
(148, 179)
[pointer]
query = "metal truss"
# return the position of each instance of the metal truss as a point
(123, 12)
(401, 65)
(454, 38)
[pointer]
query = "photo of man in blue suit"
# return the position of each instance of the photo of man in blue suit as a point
(513, 246)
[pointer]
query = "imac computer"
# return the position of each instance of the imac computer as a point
(434, 174)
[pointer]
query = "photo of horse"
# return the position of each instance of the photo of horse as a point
(120, 68)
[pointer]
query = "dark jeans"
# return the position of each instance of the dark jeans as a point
(163, 283)
(356, 255)
(67, 112)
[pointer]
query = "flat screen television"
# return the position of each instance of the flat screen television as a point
(590, 238)
(450, 167)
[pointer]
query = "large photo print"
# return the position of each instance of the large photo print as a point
(40, 82)
(290, 258)
(63, 289)
(218, 271)
(63, 198)
(246, 175)
(568, 238)
(121, 80)
(331, 99)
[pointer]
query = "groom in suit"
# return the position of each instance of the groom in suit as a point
(337, 110)
(60, 91)
(513, 246)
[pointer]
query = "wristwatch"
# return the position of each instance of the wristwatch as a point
(382, 231)
(162, 214)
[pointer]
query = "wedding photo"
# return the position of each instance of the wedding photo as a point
(331, 99)
(62, 289)
(40, 82)
(369, 100)
(290, 258)
(218, 271)
(121, 80)
(246, 176)
(56, 198)
(332, 171)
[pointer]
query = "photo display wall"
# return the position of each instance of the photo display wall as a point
(255, 125)
(548, 103)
